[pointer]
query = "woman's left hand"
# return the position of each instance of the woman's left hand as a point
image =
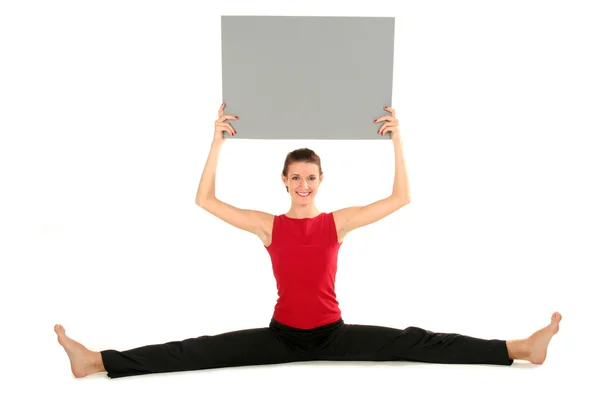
(391, 124)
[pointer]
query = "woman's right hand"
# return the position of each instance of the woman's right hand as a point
(221, 126)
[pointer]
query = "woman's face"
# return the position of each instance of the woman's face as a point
(303, 181)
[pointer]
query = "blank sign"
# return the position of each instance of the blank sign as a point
(295, 77)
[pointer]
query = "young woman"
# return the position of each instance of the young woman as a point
(306, 325)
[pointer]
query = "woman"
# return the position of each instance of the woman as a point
(306, 325)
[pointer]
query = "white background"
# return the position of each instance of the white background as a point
(107, 112)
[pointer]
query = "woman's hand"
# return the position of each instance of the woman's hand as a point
(222, 126)
(391, 125)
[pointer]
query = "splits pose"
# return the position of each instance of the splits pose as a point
(307, 323)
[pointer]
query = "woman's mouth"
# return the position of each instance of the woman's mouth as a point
(303, 194)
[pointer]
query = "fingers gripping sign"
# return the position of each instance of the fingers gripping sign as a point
(222, 127)
(391, 124)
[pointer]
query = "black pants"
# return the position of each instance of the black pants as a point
(279, 343)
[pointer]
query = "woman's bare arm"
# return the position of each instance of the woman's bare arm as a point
(256, 222)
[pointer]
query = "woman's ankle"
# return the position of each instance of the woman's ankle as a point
(518, 349)
(96, 362)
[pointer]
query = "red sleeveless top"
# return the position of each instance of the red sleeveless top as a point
(304, 255)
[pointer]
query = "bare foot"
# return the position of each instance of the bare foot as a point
(539, 341)
(83, 361)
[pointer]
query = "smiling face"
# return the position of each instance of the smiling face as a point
(303, 181)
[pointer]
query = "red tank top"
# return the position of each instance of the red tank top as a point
(304, 255)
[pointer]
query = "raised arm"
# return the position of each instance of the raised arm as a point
(256, 222)
(350, 218)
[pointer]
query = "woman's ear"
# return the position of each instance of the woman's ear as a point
(284, 180)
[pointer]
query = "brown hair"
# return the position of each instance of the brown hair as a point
(301, 155)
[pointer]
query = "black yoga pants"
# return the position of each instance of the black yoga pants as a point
(280, 343)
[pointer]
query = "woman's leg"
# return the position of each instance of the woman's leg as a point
(245, 347)
(377, 343)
